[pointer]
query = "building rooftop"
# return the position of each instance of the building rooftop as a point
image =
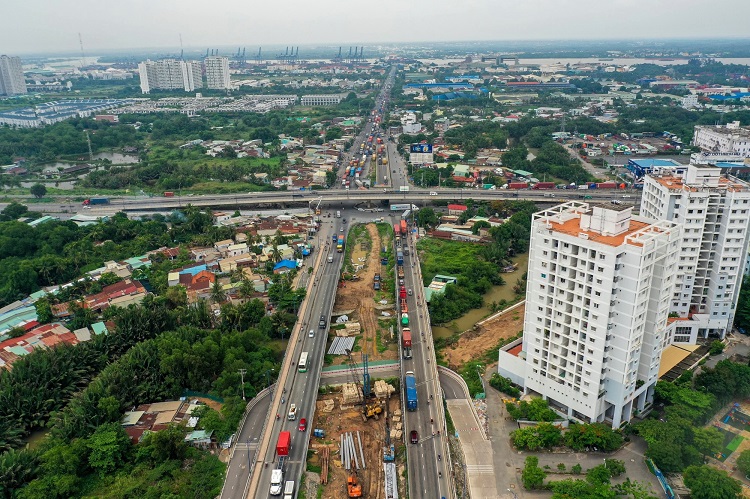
(572, 227)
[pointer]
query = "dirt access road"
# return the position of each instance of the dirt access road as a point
(372, 433)
(474, 343)
(359, 295)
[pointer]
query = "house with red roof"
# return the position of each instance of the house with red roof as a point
(456, 209)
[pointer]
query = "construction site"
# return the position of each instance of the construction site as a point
(364, 318)
(358, 426)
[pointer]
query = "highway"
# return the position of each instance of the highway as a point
(296, 387)
(332, 198)
(428, 476)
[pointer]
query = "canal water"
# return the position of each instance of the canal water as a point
(495, 294)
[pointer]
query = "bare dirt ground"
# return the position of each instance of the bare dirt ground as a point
(359, 295)
(474, 343)
(372, 434)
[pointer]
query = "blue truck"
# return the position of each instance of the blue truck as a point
(411, 391)
(94, 201)
(399, 257)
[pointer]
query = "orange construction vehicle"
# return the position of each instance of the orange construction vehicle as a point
(353, 487)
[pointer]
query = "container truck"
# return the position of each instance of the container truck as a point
(403, 227)
(399, 258)
(606, 185)
(406, 342)
(544, 185)
(283, 444)
(340, 244)
(411, 391)
(289, 489)
(402, 293)
(93, 201)
(400, 207)
(397, 231)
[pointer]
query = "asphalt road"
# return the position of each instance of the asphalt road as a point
(245, 448)
(428, 476)
(299, 388)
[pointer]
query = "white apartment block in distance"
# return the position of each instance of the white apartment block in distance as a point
(217, 72)
(170, 74)
(597, 302)
(714, 211)
(12, 81)
(728, 139)
(321, 100)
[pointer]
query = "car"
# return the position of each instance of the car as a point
(341, 229)
(410, 292)
(302, 424)
(414, 437)
(343, 220)
(433, 193)
(311, 334)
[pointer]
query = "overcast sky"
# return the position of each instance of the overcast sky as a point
(39, 26)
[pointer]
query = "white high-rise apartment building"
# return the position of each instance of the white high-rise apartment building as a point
(723, 139)
(170, 74)
(598, 293)
(217, 72)
(12, 81)
(714, 211)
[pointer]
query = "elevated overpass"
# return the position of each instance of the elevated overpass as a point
(374, 197)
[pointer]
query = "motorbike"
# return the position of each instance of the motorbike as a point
(278, 417)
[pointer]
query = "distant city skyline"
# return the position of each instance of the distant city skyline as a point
(48, 26)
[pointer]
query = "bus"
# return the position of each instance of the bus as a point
(302, 367)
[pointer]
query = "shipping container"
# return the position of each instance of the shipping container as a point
(544, 185)
(403, 227)
(94, 201)
(283, 443)
(169, 194)
(397, 230)
(399, 258)
(406, 338)
(411, 391)
(606, 185)
(518, 185)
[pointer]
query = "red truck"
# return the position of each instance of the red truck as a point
(518, 185)
(169, 194)
(606, 185)
(404, 307)
(283, 444)
(403, 227)
(544, 185)
(402, 293)
(406, 338)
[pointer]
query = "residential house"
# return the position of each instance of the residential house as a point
(456, 209)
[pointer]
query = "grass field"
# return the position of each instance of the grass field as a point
(445, 257)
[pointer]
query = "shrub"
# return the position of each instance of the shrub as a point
(504, 385)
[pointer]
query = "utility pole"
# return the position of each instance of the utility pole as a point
(242, 375)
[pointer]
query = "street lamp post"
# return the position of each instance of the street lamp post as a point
(515, 496)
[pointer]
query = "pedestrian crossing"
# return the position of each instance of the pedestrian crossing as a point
(480, 469)
(245, 446)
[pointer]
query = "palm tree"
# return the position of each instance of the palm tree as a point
(217, 293)
(246, 288)
(275, 254)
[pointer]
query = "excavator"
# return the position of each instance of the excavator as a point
(353, 487)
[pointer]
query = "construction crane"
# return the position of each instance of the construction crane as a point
(317, 206)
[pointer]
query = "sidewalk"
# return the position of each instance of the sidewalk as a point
(508, 462)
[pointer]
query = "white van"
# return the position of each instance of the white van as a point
(338, 214)
(277, 476)
(330, 258)
(289, 489)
